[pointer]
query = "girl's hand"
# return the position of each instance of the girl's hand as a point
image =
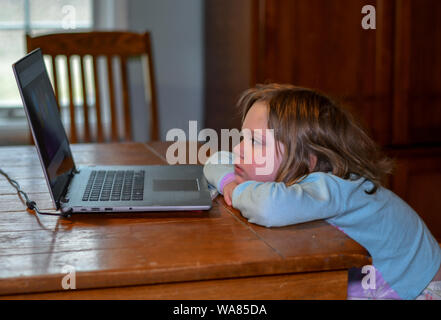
(228, 192)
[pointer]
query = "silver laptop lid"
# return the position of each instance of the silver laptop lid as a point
(44, 119)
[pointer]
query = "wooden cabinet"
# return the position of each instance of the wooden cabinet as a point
(417, 72)
(228, 55)
(321, 44)
(389, 77)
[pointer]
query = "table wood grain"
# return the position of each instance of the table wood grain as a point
(213, 254)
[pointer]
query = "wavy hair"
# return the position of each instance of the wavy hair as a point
(307, 123)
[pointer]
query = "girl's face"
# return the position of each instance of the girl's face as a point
(256, 157)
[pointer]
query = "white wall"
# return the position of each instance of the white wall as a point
(177, 38)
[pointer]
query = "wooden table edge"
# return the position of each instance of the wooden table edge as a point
(114, 278)
(326, 285)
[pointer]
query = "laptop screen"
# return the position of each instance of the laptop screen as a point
(44, 118)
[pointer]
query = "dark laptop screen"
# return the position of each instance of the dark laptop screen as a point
(41, 108)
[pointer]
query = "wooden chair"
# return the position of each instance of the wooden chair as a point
(108, 45)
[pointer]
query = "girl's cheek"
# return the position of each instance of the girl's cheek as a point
(247, 156)
(238, 152)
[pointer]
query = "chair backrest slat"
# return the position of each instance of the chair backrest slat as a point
(108, 45)
(125, 98)
(100, 134)
(73, 127)
(85, 105)
(113, 115)
(154, 126)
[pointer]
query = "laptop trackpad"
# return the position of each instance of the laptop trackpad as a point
(175, 185)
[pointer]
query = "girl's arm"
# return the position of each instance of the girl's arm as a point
(274, 204)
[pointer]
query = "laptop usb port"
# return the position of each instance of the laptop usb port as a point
(108, 209)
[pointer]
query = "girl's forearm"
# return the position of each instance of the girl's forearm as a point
(275, 204)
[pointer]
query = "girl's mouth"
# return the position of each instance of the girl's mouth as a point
(238, 170)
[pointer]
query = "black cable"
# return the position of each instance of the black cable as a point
(32, 205)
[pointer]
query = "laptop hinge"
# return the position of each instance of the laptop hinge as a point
(66, 188)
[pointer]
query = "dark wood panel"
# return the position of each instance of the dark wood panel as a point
(228, 42)
(425, 72)
(320, 44)
(390, 77)
(417, 80)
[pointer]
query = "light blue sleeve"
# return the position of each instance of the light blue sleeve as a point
(217, 167)
(273, 204)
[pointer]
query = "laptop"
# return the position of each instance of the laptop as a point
(98, 188)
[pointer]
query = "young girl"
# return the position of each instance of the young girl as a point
(325, 167)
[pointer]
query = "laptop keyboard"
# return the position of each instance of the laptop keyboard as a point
(115, 185)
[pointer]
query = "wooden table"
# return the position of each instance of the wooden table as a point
(169, 255)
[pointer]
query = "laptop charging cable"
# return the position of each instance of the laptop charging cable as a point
(32, 205)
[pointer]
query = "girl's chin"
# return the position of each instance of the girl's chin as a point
(239, 179)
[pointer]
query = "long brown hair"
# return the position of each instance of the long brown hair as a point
(309, 123)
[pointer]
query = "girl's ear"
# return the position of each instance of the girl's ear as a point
(312, 162)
